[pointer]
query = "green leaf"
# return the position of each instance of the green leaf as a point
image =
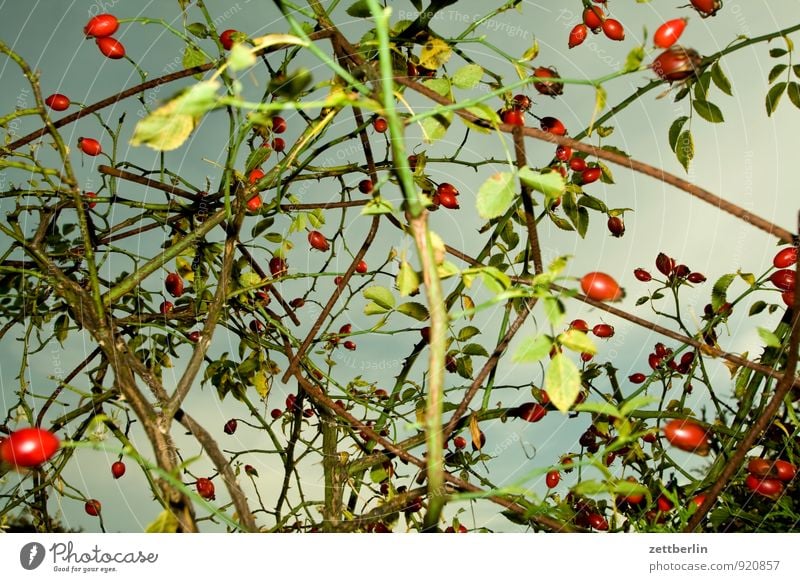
(467, 333)
(675, 131)
(562, 381)
(720, 79)
(359, 9)
(198, 29)
(794, 93)
(634, 59)
(600, 99)
(553, 310)
(435, 128)
(701, 86)
(261, 226)
(467, 76)
(414, 310)
(577, 341)
(777, 52)
(770, 339)
(796, 70)
(551, 184)
(720, 289)
(193, 57)
(380, 295)
(166, 522)
(377, 206)
(590, 487)
(61, 328)
(684, 149)
(168, 127)
(494, 279)
(708, 111)
(407, 279)
(373, 308)
(475, 350)
(257, 157)
(774, 97)
(533, 349)
(241, 57)
(593, 203)
(757, 307)
(440, 85)
(495, 195)
(776, 71)
(464, 367)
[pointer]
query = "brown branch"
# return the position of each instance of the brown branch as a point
(767, 416)
(148, 182)
(527, 204)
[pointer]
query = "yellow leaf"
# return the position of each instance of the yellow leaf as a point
(261, 384)
(184, 269)
(475, 432)
(468, 304)
(435, 53)
(166, 522)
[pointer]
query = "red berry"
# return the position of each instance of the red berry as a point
(90, 205)
(255, 175)
(278, 124)
(118, 469)
(449, 201)
(593, 18)
(563, 153)
(785, 258)
(278, 267)
(447, 188)
(230, 426)
(111, 47)
(784, 470)
(174, 284)
(338, 280)
(664, 504)
(318, 241)
(28, 447)
(361, 267)
(586, 357)
(165, 307)
(254, 204)
(194, 336)
(226, 38)
(650, 437)
(278, 144)
(92, 507)
(521, 102)
(90, 146)
(577, 35)
(771, 488)
(637, 378)
(425, 332)
(552, 88)
(530, 411)
(676, 63)
(707, 7)
(597, 521)
(365, 186)
(346, 329)
(460, 442)
(57, 102)
(552, 479)
(601, 287)
(513, 117)
(603, 330)
(665, 264)
(349, 345)
(642, 275)
(580, 325)
(783, 279)
(101, 25)
(654, 360)
(613, 29)
(380, 125)
(669, 32)
(590, 175)
(552, 125)
(687, 436)
(615, 224)
(205, 488)
(276, 413)
(696, 278)
(577, 164)
(250, 470)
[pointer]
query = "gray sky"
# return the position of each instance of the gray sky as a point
(748, 160)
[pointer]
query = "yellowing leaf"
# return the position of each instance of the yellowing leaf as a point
(261, 384)
(407, 279)
(562, 381)
(184, 269)
(435, 53)
(166, 522)
(467, 304)
(475, 432)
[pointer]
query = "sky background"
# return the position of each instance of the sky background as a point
(749, 160)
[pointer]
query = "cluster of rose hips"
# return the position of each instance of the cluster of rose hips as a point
(514, 111)
(675, 274)
(446, 195)
(601, 330)
(278, 125)
(784, 277)
(768, 478)
(101, 27)
(583, 173)
(345, 330)
(595, 20)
